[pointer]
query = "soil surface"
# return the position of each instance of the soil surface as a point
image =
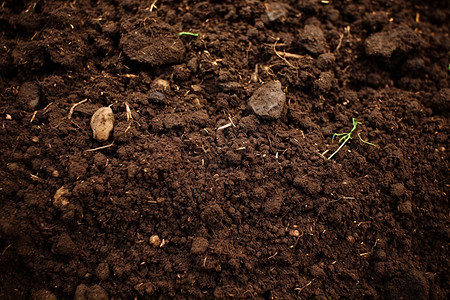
(201, 193)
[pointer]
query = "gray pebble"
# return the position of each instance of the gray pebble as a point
(268, 100)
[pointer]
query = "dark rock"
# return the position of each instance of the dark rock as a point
(313, 39)
(64, 245)
(268, 100)
(28, 95)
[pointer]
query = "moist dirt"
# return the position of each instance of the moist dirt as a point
(195, 196)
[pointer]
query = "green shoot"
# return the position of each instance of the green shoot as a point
(188, 33)
(449, 67)
(345, 137)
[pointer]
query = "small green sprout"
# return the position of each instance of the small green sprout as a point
(449, 67)
(345, 137)
(188, 33)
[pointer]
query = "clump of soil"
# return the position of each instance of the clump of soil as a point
(193, 194)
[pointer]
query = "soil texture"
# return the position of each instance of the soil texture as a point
(222, 177)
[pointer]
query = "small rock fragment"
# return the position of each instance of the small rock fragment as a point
(102, 123)
(64, 245)
(276, 10)
(268, 100)
(155, 241)
(294, 232)
(199, 245)
(29, 95)
(313, 39)
(160, 84)
(60, 198)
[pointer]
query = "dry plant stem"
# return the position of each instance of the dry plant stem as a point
(283, 58)
(99, 148)
(69, 116)
(153, 5)
(129, 116)
(33, 116)
(342, 145)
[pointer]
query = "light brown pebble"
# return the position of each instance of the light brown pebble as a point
(155, 241)
(102, 123)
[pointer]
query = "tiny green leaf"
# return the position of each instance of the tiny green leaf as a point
(188, 33)
(345, 137)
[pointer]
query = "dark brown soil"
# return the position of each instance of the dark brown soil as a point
(241, 206)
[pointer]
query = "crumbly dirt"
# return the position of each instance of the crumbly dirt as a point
(243, 206)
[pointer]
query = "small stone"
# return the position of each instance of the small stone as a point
(35, 139)
(102, 123)
(156, 96)
(313, 39)
(155, 241)
(405, 208)
(55, 173)
(199, 245)
(60, 199)
(276, 10)
(64, 245)
(294, 232)
(350, 239)
(43, 295)
(160, 84)
(8, 117)
(268, 100)
(29, 95)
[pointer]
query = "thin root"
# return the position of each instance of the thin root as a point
(304, 287)
(69, 116)
(34, 116)
(129, 116)
(285, 54)
(99, 148)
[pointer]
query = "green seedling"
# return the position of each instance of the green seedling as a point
(188, 33)
(345, 137)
